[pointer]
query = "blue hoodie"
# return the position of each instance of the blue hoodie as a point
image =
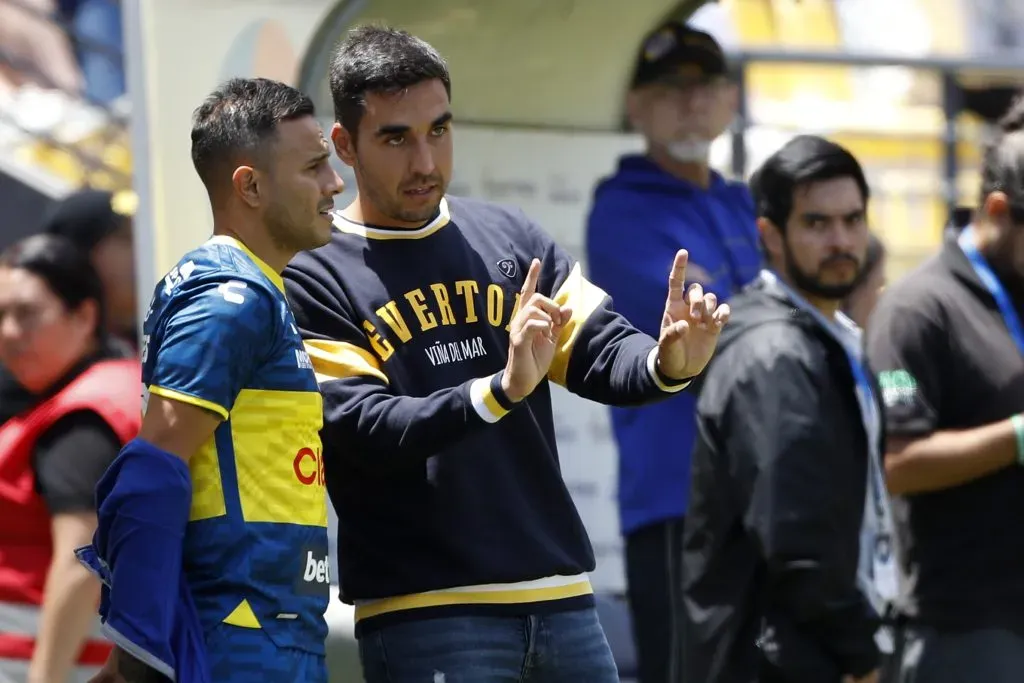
(146, 608)
(640, 217)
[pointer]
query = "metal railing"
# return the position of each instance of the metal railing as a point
(112, 125)
(950, 70)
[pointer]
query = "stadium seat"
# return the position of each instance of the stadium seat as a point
(613, 612)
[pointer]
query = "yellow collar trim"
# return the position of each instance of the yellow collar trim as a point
(271, 274)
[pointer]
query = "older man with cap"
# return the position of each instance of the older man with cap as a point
(680, 99)
(100, 223)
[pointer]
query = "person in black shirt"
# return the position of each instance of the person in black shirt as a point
(864, 297)
(788, 447)
(100, 223)
(948, 345)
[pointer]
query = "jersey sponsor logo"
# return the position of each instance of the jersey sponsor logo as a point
(899, 387)
(464, 302)
(308, 466)
(314, 572)
(508, 268)
(232, 291)
(302, 359)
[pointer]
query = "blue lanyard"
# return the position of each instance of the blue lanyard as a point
(860, 378)
(992, 284)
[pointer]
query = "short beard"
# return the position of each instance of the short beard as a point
(812, 284)
(390, 206)
(285, 238)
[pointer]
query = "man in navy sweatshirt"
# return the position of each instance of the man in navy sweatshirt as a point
(680, 100)
(435, 325)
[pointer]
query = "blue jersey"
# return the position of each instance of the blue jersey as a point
(219, 334)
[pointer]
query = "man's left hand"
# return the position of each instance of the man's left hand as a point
(690, 327)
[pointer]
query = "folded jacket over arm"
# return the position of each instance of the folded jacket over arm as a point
(143, 503)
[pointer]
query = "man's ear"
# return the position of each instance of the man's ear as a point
(771, 238)
(246, 185)
(88, 314)
(344, 144)
(996, 206)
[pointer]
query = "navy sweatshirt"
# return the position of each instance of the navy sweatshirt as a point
(449, 497)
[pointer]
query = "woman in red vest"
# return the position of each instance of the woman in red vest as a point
(76, 404)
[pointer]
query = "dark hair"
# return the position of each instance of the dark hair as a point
(65, 269)
(238, 119)
(804, 160)
(379, 59)
(1003, 166)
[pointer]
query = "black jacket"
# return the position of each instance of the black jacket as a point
(776, 506)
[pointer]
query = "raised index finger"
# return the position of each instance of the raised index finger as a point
(530, 285)
(677, 276)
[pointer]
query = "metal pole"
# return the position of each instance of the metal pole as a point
(740, 123)
(952, 103)
(144, 222)
(1007, 66)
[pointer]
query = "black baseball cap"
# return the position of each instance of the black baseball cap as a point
(87, 217)
(676, 52)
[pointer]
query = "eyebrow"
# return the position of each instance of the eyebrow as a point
(325, 154)
(400, 129)
(816, 216)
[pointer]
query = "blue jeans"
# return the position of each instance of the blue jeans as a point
(565, 647)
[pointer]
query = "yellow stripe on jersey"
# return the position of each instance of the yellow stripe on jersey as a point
(207, 487)
(271, 274)
(512, 594)
(278, 461)
(584, 297)
(190, 399)
(280, 473)
(338, 360)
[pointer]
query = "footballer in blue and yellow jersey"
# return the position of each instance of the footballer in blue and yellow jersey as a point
(220, 335)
